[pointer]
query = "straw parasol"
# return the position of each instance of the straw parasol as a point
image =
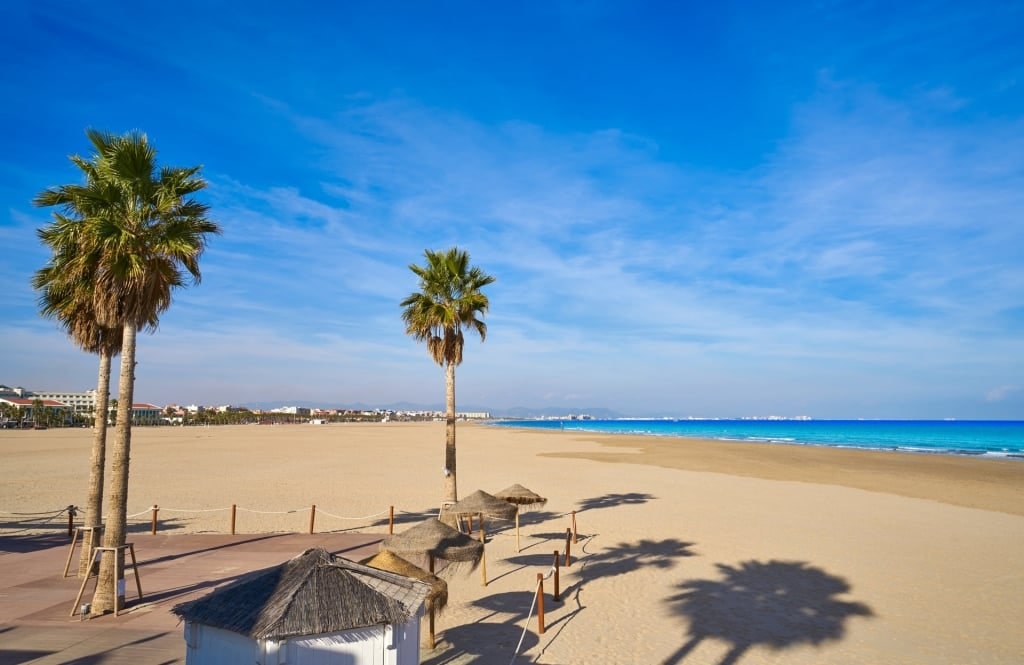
(481, 503)
(520, 496)
(435, 540)
(311, 594)
(435, 600)
(392, 563)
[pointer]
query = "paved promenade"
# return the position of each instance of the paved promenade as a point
(36, 602)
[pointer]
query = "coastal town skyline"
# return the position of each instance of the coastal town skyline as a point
(707, 211)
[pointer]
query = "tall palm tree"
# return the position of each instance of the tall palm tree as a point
(138, 232)
(68, 297)
(449, 300)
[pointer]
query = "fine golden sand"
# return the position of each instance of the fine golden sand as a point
(690, 552)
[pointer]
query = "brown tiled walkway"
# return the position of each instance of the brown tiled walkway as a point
(35, 601)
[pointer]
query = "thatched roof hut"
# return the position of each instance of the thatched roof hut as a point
(347, 607)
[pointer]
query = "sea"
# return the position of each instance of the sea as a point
(989, 438)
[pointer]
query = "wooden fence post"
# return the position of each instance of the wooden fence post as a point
(568, 539)
(555, 595)
(574, 527)
(152, 524)
(234, 508)
(72, 510)
(391, 520)
(312, 518)
(540, 603)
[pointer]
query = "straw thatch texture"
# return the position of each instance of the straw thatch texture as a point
(482, 503)
(521, 496)
(313, 593)
(437, 540)
(391, 562)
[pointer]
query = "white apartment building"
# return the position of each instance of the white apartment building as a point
(82, 403)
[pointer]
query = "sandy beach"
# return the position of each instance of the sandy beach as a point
(690, 552)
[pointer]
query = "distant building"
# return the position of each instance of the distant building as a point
(26, 407)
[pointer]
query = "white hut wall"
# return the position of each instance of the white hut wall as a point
(406, 640)
(363, 646)
(206, 645)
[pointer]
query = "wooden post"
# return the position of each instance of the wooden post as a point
(391, 521)
(483, 553)
(71, 520)
(517, 529)
(555, 595)
(568, 539)
(312, 518)
(152, 524)
(430, 558)
(540, 603)
(574, 527)
(470, 518)
(233, 509)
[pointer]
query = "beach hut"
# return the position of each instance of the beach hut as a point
(313, 609)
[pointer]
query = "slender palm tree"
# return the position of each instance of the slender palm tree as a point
(68, 297)
(450, 299)
(138, 233)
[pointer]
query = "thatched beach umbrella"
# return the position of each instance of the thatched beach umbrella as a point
(481, 503)
(435, 540)
(435, 600)
(311, 594)
(391, 562)
(520, 496)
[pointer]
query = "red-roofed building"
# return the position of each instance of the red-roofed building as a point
(26, 408)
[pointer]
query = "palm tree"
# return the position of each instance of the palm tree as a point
(449, 300)
(137, 233)
(68, 297)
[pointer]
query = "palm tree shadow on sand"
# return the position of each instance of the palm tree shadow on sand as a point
(778, 604)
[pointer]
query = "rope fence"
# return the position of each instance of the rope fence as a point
(38, 520)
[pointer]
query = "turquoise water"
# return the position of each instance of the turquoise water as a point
(951, 437)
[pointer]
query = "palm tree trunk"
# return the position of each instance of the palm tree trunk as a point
(450, 490)
(94, 508)
(116, 527)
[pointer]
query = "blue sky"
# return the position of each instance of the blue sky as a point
(706, 209)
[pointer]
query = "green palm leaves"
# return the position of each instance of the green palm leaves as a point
(450, 300)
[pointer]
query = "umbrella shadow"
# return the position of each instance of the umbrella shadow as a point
(777, 604)
(480, 643)
(615, 499)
